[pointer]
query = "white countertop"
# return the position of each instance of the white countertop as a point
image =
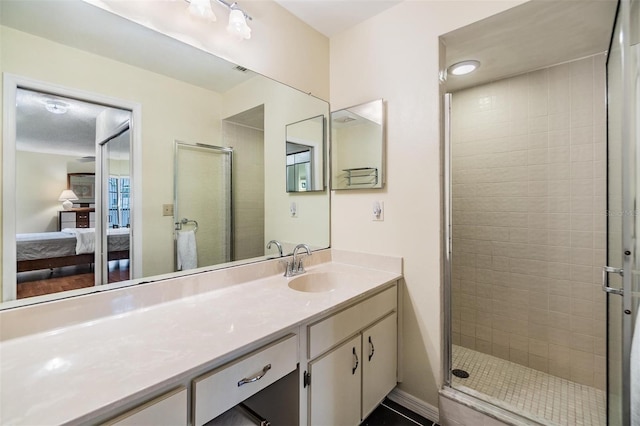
(76, 372)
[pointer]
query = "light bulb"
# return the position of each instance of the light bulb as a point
(238, 25)
(202, 9)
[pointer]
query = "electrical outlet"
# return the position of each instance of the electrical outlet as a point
(293, 209)
(377, 209)
(167, 210)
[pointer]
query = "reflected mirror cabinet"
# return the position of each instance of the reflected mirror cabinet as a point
(85, 58)
(305, 162)
(358, 146)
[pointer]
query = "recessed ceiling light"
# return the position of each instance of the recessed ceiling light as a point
(344, 119)
(56, 107)
(464, 67)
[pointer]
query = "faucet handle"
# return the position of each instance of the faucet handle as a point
(300, 266)
(288, 266)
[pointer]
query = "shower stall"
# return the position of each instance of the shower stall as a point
(203, 202)
(541, 192)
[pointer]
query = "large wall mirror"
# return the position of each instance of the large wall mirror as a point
(180, 93)
(358, 146)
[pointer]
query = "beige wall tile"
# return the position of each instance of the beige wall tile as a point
(529, 224)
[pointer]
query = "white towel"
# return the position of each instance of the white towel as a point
(187, 252)
(85, 240)
(635, 375)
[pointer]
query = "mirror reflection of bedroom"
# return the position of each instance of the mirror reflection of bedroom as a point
(59, 141)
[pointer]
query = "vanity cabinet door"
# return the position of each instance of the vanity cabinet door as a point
(379, 363)
(336, 385)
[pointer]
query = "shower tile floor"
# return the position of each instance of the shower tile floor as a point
(544, 398)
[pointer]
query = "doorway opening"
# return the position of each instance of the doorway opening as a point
(534, 169)
(65, 152)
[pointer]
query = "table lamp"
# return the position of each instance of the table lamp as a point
(66, 196)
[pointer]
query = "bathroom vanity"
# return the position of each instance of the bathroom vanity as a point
(319, 348)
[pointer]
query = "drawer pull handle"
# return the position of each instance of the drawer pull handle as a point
(355, 356)
(373, 348)
(256, 377)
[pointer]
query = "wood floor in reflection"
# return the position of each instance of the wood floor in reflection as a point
(38, 283)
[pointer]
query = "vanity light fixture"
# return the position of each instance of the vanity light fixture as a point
(238, 24)
(237, 17)
(202, 9)
(464, 67)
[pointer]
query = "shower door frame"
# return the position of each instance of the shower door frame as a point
(221, 150)
(620, 301)
(447, 338)
(102, 194)
(447, 389)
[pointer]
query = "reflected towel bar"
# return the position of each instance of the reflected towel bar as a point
(363, 173)
(184, 221)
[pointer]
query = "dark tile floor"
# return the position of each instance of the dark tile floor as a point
(391, 414)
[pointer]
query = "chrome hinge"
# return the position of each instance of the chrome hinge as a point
(306, 379)
(605, 279)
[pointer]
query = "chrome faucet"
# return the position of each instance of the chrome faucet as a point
(296, 266)
(277, 243)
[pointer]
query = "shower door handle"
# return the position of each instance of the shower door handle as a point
(605, 279)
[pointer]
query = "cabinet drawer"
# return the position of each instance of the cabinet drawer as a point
(68, 216)
(326, 333)
(68, 224)
(221, 389)
(169, 409)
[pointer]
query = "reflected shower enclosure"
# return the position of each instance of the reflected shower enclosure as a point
(203, 195)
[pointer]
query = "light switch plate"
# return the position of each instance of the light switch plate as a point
(167, 210)
(377, 211)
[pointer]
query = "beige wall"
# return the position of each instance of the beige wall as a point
(283, 105)
(40, 178)
(394, 56)
(529, 223)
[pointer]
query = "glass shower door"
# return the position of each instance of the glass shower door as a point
(620, 277)
(203, 205)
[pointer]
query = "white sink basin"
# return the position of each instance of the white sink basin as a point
(317, 282)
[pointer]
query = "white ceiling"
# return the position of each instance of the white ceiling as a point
(331, 17)
(72, 133)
